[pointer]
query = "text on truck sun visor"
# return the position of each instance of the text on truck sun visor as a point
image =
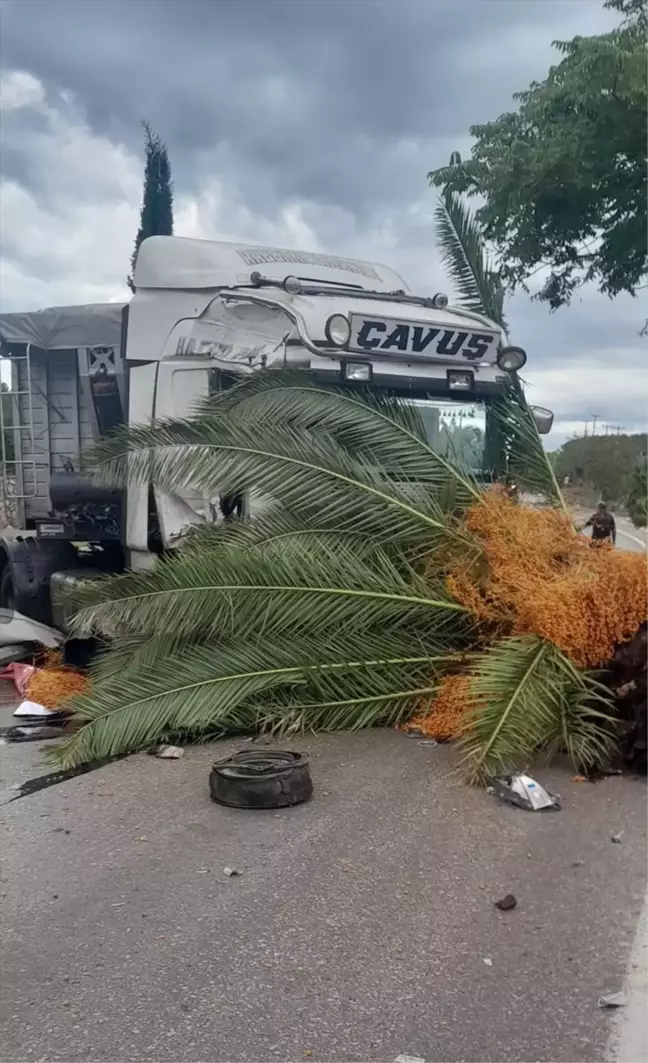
(411, 337)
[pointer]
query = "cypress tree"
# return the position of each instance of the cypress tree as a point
(156, 218)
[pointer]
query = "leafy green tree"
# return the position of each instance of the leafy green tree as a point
(604, 463)
(637, 497)
(563, 178)
(156, 218)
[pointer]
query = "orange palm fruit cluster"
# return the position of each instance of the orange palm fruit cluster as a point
(535, 575)
(443, 715)
(53, 684)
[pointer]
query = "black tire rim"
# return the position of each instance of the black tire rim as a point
(252, 764)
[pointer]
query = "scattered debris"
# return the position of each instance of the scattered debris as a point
(579, 778)
(427, 742)
(256, 778)
(488, 962)
(33, 732)
(169, 752)
(525, 792)
(19, 674)
(578, 863)
(33, 709)
(507, 903)
(617, 838)
(612, 1000)
(230, 872)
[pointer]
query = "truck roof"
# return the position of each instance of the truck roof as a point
(177, 262)
(64, 327)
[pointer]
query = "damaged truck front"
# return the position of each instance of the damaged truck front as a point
(204, 315)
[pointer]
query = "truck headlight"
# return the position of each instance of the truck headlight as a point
(511, 359)
(337, 330)
(361, 372)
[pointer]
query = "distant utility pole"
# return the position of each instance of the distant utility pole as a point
(595, 417)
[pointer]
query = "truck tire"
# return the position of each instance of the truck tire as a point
(255, 778)
(28, 566)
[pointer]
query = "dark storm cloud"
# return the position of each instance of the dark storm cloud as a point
(333, 101)
(339, 106)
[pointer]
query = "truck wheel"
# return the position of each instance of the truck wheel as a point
(257, 778)
(26, 575)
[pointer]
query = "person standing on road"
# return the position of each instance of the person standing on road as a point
(602, 524)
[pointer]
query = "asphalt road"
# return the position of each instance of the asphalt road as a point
(358, 929)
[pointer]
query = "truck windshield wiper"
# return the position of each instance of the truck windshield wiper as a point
(307, 286)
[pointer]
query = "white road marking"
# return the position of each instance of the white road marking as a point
(633, 538)
(629, 1038)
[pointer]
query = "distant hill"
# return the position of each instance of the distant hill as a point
(602, 465)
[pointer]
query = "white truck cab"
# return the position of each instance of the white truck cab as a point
(203, 315)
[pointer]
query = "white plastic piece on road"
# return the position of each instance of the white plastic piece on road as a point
(629, 1039)
(32, 708)
(409, 1059)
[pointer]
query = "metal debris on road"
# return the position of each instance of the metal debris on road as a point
(230, 872)
(612, 1000)
(489, 963)
(617, 838)
(525, 792)
(507, 903)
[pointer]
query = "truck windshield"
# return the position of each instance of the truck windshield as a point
(455, 429)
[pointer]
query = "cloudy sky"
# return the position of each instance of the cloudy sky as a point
(300, 123)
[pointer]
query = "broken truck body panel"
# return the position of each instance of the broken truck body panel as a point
(19, 631)
(204, 315)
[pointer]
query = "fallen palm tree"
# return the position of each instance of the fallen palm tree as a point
(384, 579)
(384, 585)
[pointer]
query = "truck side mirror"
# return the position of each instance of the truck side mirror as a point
(543, 419)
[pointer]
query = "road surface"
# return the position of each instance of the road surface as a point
(629, 537)
(362, 926)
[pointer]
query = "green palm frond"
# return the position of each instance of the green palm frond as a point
(527, 460)
(363, 421)
(464, 255)
(211, 686)
(287, 418)
(584, 726)
(206, 594)
(306, 472)
(525, 696)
